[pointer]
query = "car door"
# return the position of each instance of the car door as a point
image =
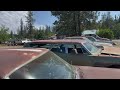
(104, 61)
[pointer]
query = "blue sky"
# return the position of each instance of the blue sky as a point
(45, 17)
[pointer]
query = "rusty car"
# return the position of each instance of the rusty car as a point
(44, 64)
(101, 42)
(97, 37)
(80, 52)
(98, 45)
(93, 41)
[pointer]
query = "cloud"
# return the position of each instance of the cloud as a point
(11, 19)
(40, 26)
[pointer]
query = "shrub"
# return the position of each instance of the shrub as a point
(106, 33)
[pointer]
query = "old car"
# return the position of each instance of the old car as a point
(97, 37)
(14, 42)
(100, 42)
(98, 45)
(25, 41)
(80, 52)
(44, 64)
(100, 38)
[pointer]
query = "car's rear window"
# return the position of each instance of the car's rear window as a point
(48, 66)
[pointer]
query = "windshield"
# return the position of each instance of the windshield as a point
(90, 47)
(88, 40)
(48, 66)
(91, 38)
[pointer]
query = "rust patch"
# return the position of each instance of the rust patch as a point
(11, 59)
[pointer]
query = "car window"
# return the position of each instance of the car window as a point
(91, 38)
(62, 48)
(81, 49)
(56, 48)
(48, 66)
(90, 41)
(91, 48)
(68, 47)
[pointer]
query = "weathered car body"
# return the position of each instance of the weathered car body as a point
(100, 42)
(80, 52)
(43, 64)
(97, 37)
(98, 45)
(34, 64)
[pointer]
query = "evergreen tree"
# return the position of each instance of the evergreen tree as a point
(30, 22)
(21, 29)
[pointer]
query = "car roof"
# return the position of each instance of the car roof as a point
(60, 41)
(12, 59)
(80, 37)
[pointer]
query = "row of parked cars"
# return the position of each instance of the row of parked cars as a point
(15, 42)
(68, 58)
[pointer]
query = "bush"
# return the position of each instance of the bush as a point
(116, 31)
(4, 35)
(106, 33)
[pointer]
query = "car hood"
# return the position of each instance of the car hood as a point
(111, 50)
(103, 44)
(87, 72)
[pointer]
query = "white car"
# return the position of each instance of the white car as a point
(26, 41)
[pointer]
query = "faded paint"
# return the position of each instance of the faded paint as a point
(18, 58)
(12, 59)
(59, 41)
(88, 60)
(99, 73)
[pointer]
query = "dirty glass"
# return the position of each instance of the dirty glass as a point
(90, 47)
(88, 40)
(81, 49)
(68, 47)
(91, 38)
(48, 66)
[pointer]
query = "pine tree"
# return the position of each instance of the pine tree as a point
(30, 22)
(74, 22)
(11, 34)
(21, 29)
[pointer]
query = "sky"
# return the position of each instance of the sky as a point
(11, 19)
(44, 17)
(113, 13)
